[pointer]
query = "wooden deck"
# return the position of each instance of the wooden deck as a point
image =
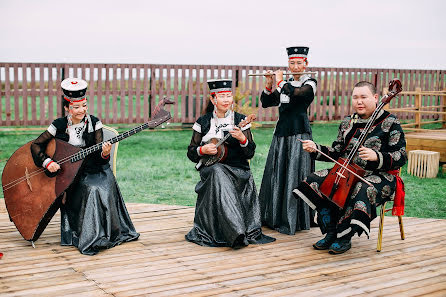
(162, 263)
(429, 141)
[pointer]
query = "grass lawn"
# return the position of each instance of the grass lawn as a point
(153, 168)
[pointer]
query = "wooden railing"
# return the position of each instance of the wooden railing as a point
(126, 93)
(422, 111)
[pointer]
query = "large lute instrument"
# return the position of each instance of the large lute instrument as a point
(32, 198)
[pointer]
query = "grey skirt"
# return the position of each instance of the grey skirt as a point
(94, 216)
(227, 212)
(286, 166)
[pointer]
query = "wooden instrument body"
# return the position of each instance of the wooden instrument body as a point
(220, 156)
(33, 202)
(339, 192)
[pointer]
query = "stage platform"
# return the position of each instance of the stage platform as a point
(431, 140)
(162, 263)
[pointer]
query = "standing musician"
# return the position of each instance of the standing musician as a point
(287, 164)
(382, 154)
(227, 212)
(93, 213)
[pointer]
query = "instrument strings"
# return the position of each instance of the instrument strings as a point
(79, 155)
(361, 139)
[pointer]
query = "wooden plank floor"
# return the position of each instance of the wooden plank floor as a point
(162, 263)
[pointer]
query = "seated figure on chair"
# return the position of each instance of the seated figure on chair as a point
(383, 152)
(227, 212)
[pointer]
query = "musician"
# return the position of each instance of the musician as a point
(93, 215)
(287, 164)
(227, 211)
(382, 154)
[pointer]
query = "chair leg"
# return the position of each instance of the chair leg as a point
(400, 221)
(381, 226)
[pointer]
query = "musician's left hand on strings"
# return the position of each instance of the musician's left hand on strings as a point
(367, 154)
(238, 134)
(106, 148)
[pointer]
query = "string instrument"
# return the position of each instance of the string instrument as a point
(32, 197)
(341, 179)
(222, 149)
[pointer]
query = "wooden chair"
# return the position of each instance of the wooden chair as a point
(108, 134)
(381, 224)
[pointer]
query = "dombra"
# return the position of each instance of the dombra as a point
(32, 198)
(222, 149)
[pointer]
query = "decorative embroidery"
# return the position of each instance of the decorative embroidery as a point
(373, 179)
(396, 155)
(387, 123)
(386, 191)
(356, 190)
(315, 187)
(394, 137)
(373, 143)
(371, 194)
(322, 173)
(388, 176)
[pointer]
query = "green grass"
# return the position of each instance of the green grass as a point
(153, 168)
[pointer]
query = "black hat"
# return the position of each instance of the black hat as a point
(220, 85)
(74, 89)
(297, 52)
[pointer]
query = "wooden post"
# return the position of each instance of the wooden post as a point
(443, 104)
(417, 106)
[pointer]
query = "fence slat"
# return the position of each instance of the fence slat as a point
(30, 100)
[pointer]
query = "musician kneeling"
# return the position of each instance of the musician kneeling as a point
(93, 213)
(227, 211)
(382, 154)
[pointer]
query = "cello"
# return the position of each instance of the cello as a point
(33, 195)
(341, 179)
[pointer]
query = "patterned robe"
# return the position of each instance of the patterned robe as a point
(386, 138)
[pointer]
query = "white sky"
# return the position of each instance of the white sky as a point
(345, 33)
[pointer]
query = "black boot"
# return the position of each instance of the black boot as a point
(325, 242)
(327, 223)
(341, 245)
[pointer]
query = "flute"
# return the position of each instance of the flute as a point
(285, 73)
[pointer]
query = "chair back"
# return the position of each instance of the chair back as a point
(108, 134)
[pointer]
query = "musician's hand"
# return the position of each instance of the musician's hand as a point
(269, 80)
(309, 146)
(106, 148)
(279, 75)
(238, 134)
(209, 149)
(53, 167)
(367, 154)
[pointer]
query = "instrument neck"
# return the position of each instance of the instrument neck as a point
(366, 131)
(98, 146)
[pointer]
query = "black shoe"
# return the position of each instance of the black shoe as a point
(240, 242)
(325, 242)
(340, 246)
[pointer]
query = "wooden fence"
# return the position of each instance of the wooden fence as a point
(126, 93)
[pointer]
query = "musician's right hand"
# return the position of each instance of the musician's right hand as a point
(269, 79)
(209, 149)
(53, 167)
(309, 146)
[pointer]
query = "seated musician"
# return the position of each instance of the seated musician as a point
(381, 155)
(227, 211)
(93, 213)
